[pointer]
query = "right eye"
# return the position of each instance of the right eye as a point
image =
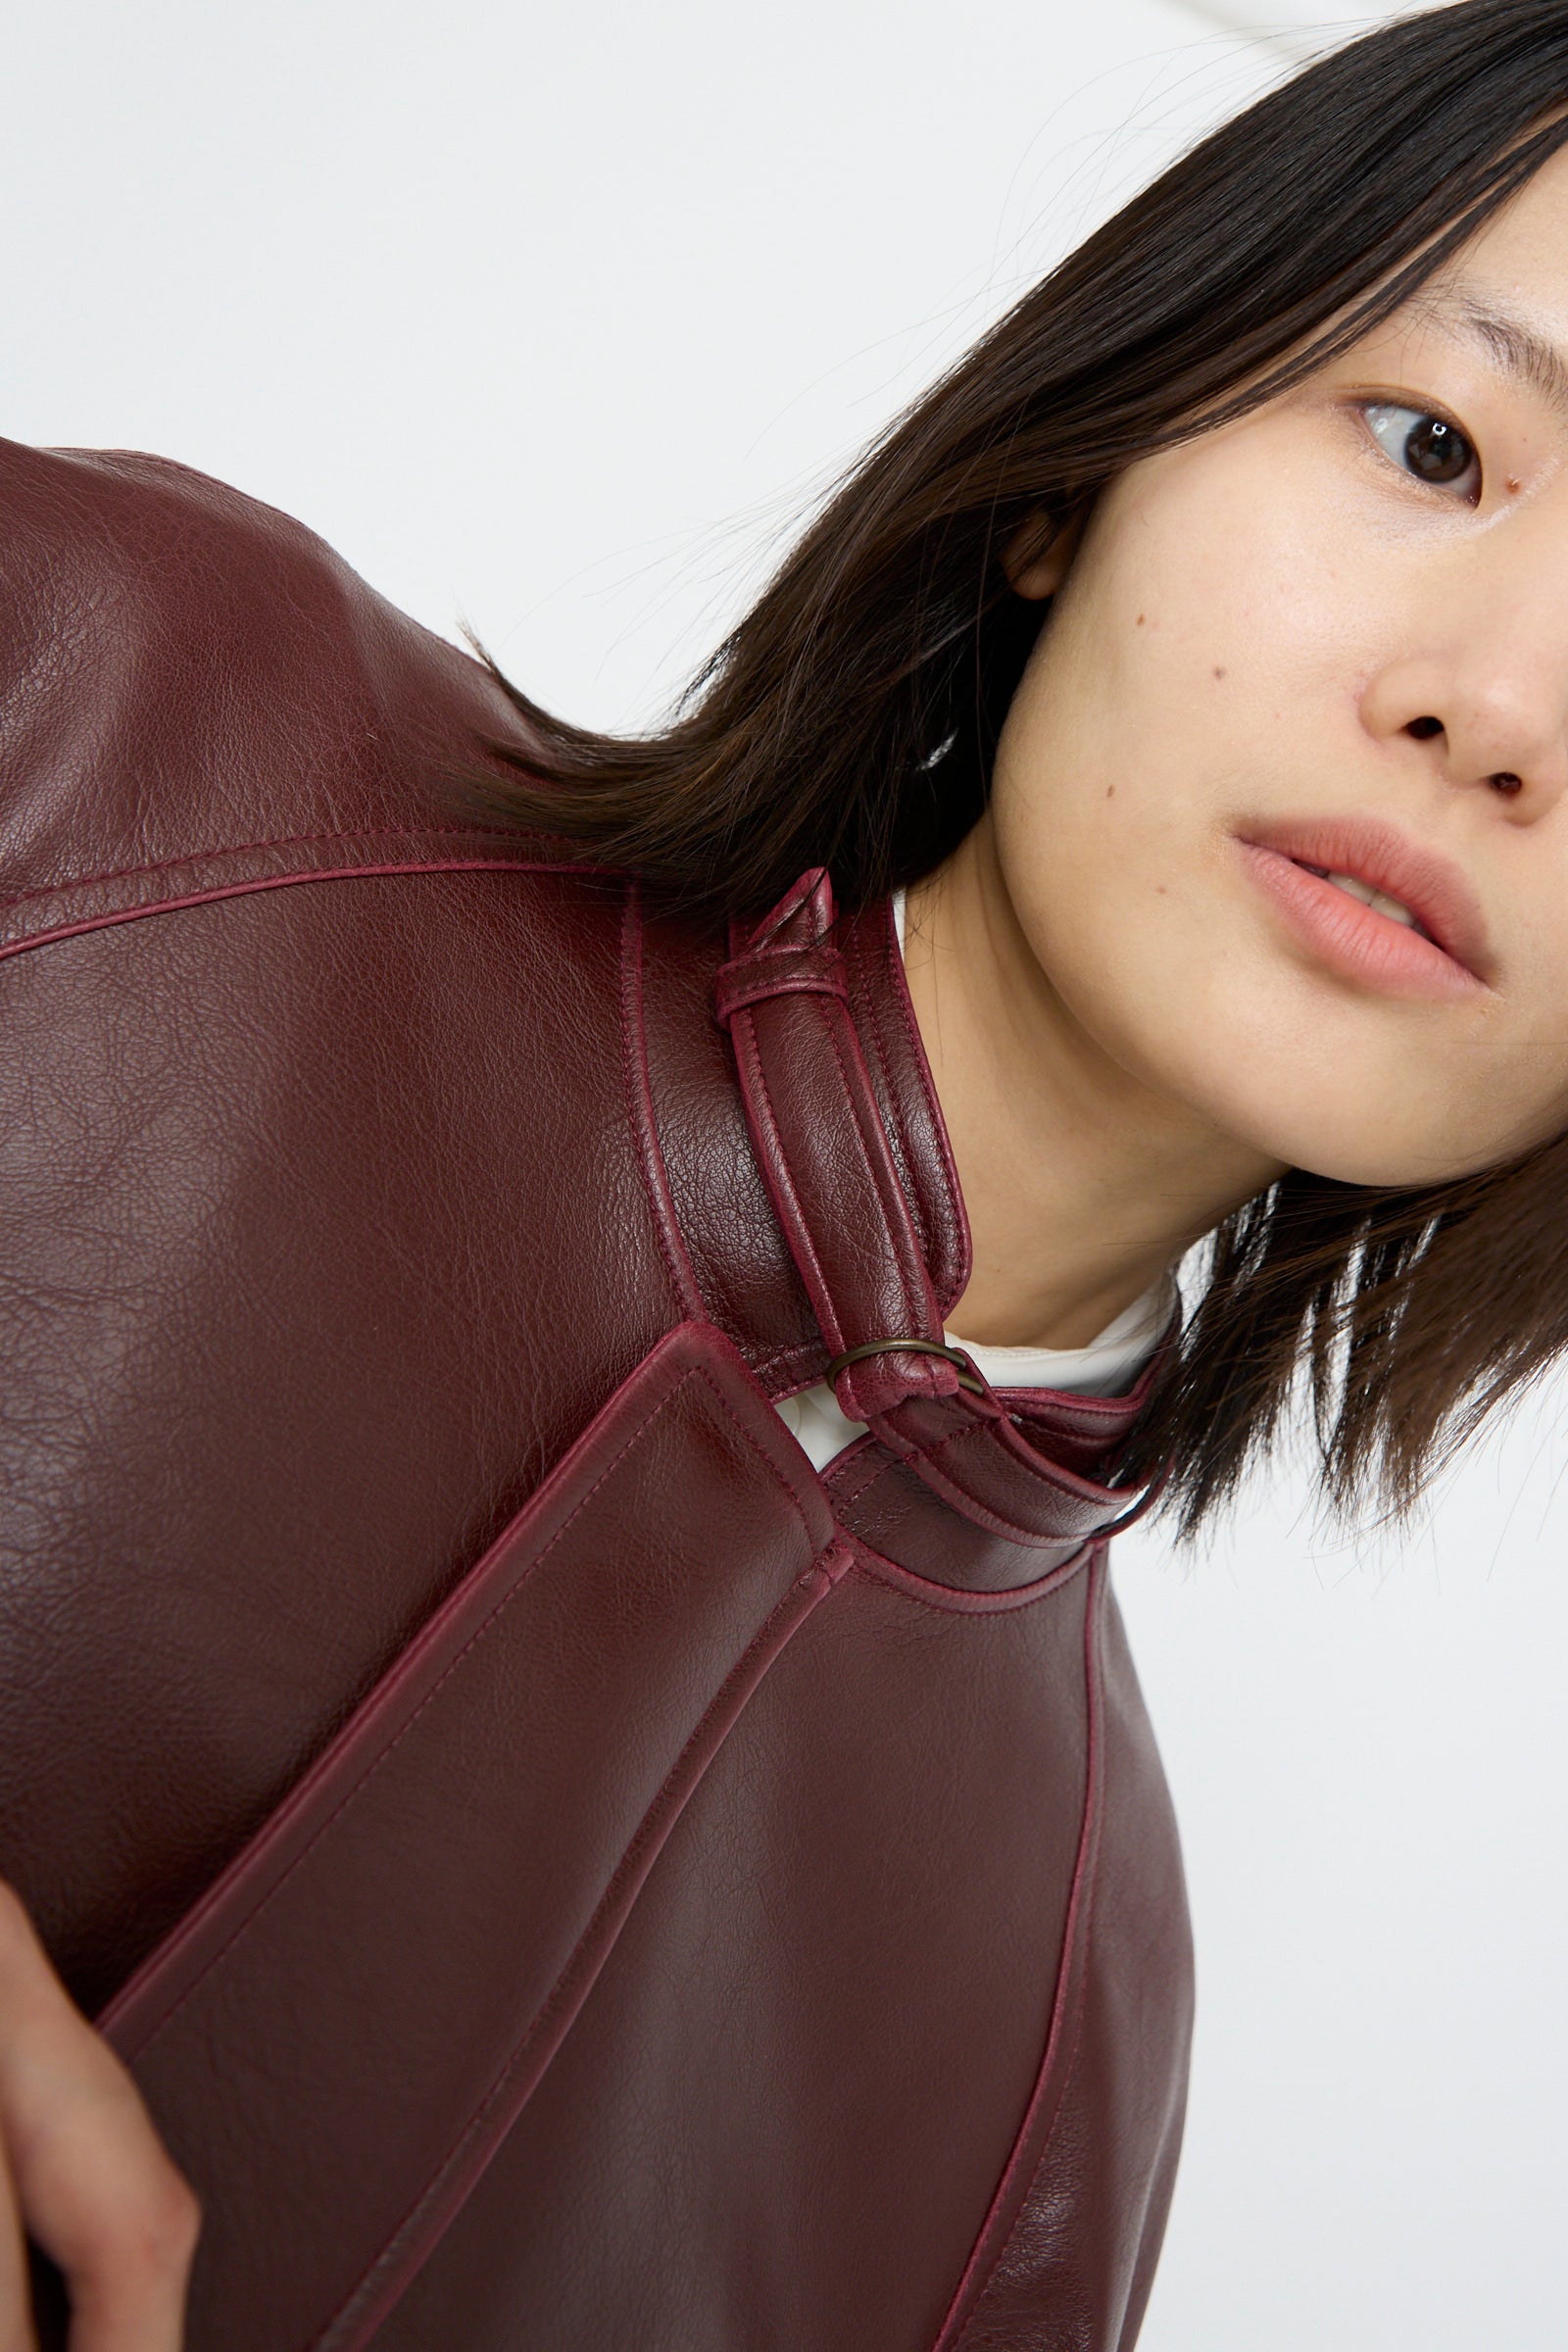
(1425, 445)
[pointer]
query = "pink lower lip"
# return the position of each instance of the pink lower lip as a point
(1353, 939)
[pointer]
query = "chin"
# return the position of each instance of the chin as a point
(1351, 1156)
(1377, 1173)
(1324, 1135)
(1307, 1087)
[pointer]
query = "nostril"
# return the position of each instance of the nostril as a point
(1506, 782)
(1422, 728)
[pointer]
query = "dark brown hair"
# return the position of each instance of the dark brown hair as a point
(850, 719)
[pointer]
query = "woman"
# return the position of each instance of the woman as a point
(568, 1856)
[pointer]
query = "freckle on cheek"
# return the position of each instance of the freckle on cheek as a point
(1139, 621)
(1219, 674)
(1110, 792)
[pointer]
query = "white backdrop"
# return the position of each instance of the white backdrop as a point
(554, 318)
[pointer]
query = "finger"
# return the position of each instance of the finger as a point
(16, 2299)
(106, 2202)
(94, 2183)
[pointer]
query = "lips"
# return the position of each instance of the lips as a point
(1444, 952)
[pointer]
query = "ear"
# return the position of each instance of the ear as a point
(1038, 559)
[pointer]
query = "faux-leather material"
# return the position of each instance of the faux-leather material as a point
(564, 1873)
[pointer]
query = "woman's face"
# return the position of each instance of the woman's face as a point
(1328, 641)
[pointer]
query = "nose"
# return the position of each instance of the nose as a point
(1481, 688)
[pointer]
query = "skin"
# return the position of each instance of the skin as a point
(1127, 1040)
(1277, 620)
(81, 2169)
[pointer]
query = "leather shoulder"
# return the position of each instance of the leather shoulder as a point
(325, 1225)
(197, 692)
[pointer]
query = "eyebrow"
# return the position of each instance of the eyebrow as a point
(1516, 348)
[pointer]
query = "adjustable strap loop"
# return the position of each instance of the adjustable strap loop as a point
(823, 1151)
(826, 1157)
(968, 1376)
(758, 973)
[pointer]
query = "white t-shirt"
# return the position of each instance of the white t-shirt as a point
(1108, 1367)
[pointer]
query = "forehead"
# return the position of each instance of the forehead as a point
(1519, 262)
(1504, 296)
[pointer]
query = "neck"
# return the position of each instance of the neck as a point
(1083, 1184)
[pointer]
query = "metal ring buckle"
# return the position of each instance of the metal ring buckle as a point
(968, 1377)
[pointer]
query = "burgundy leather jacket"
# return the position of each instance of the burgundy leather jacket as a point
(565, 1874)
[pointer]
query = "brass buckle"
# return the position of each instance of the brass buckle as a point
(968, 1377)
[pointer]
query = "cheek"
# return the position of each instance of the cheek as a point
(1129, 894)
(1232, 595)
(1517, 1098)
(1119, 760)
(1193, 670)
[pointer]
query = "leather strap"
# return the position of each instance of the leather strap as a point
(823, 1150)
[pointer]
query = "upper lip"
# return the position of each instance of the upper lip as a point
(1435, 888)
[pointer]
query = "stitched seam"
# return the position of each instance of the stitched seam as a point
(1071, 2054)
(788, 1175)
(240, 849)
(933, 1453)
(872, 1019)
(1000, 1519)
(789, 1356)
(785, 1178)
(778, 952)
(350, 1796)
(874, 1472)
(640, 1110)
(999, 1600)
(699, 1372)
(850, 1081)
(951, 1223)
(736, 999)
(480, 1632)
(27, 943)
(624, 1869)
(1094, 1809)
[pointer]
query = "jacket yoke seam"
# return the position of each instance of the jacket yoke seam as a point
(480, 1633)
(1059, 2058)
(242, 848)
(787, 1602)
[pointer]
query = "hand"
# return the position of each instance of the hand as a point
(81, 2170)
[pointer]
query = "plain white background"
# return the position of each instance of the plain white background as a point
(555, 318)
